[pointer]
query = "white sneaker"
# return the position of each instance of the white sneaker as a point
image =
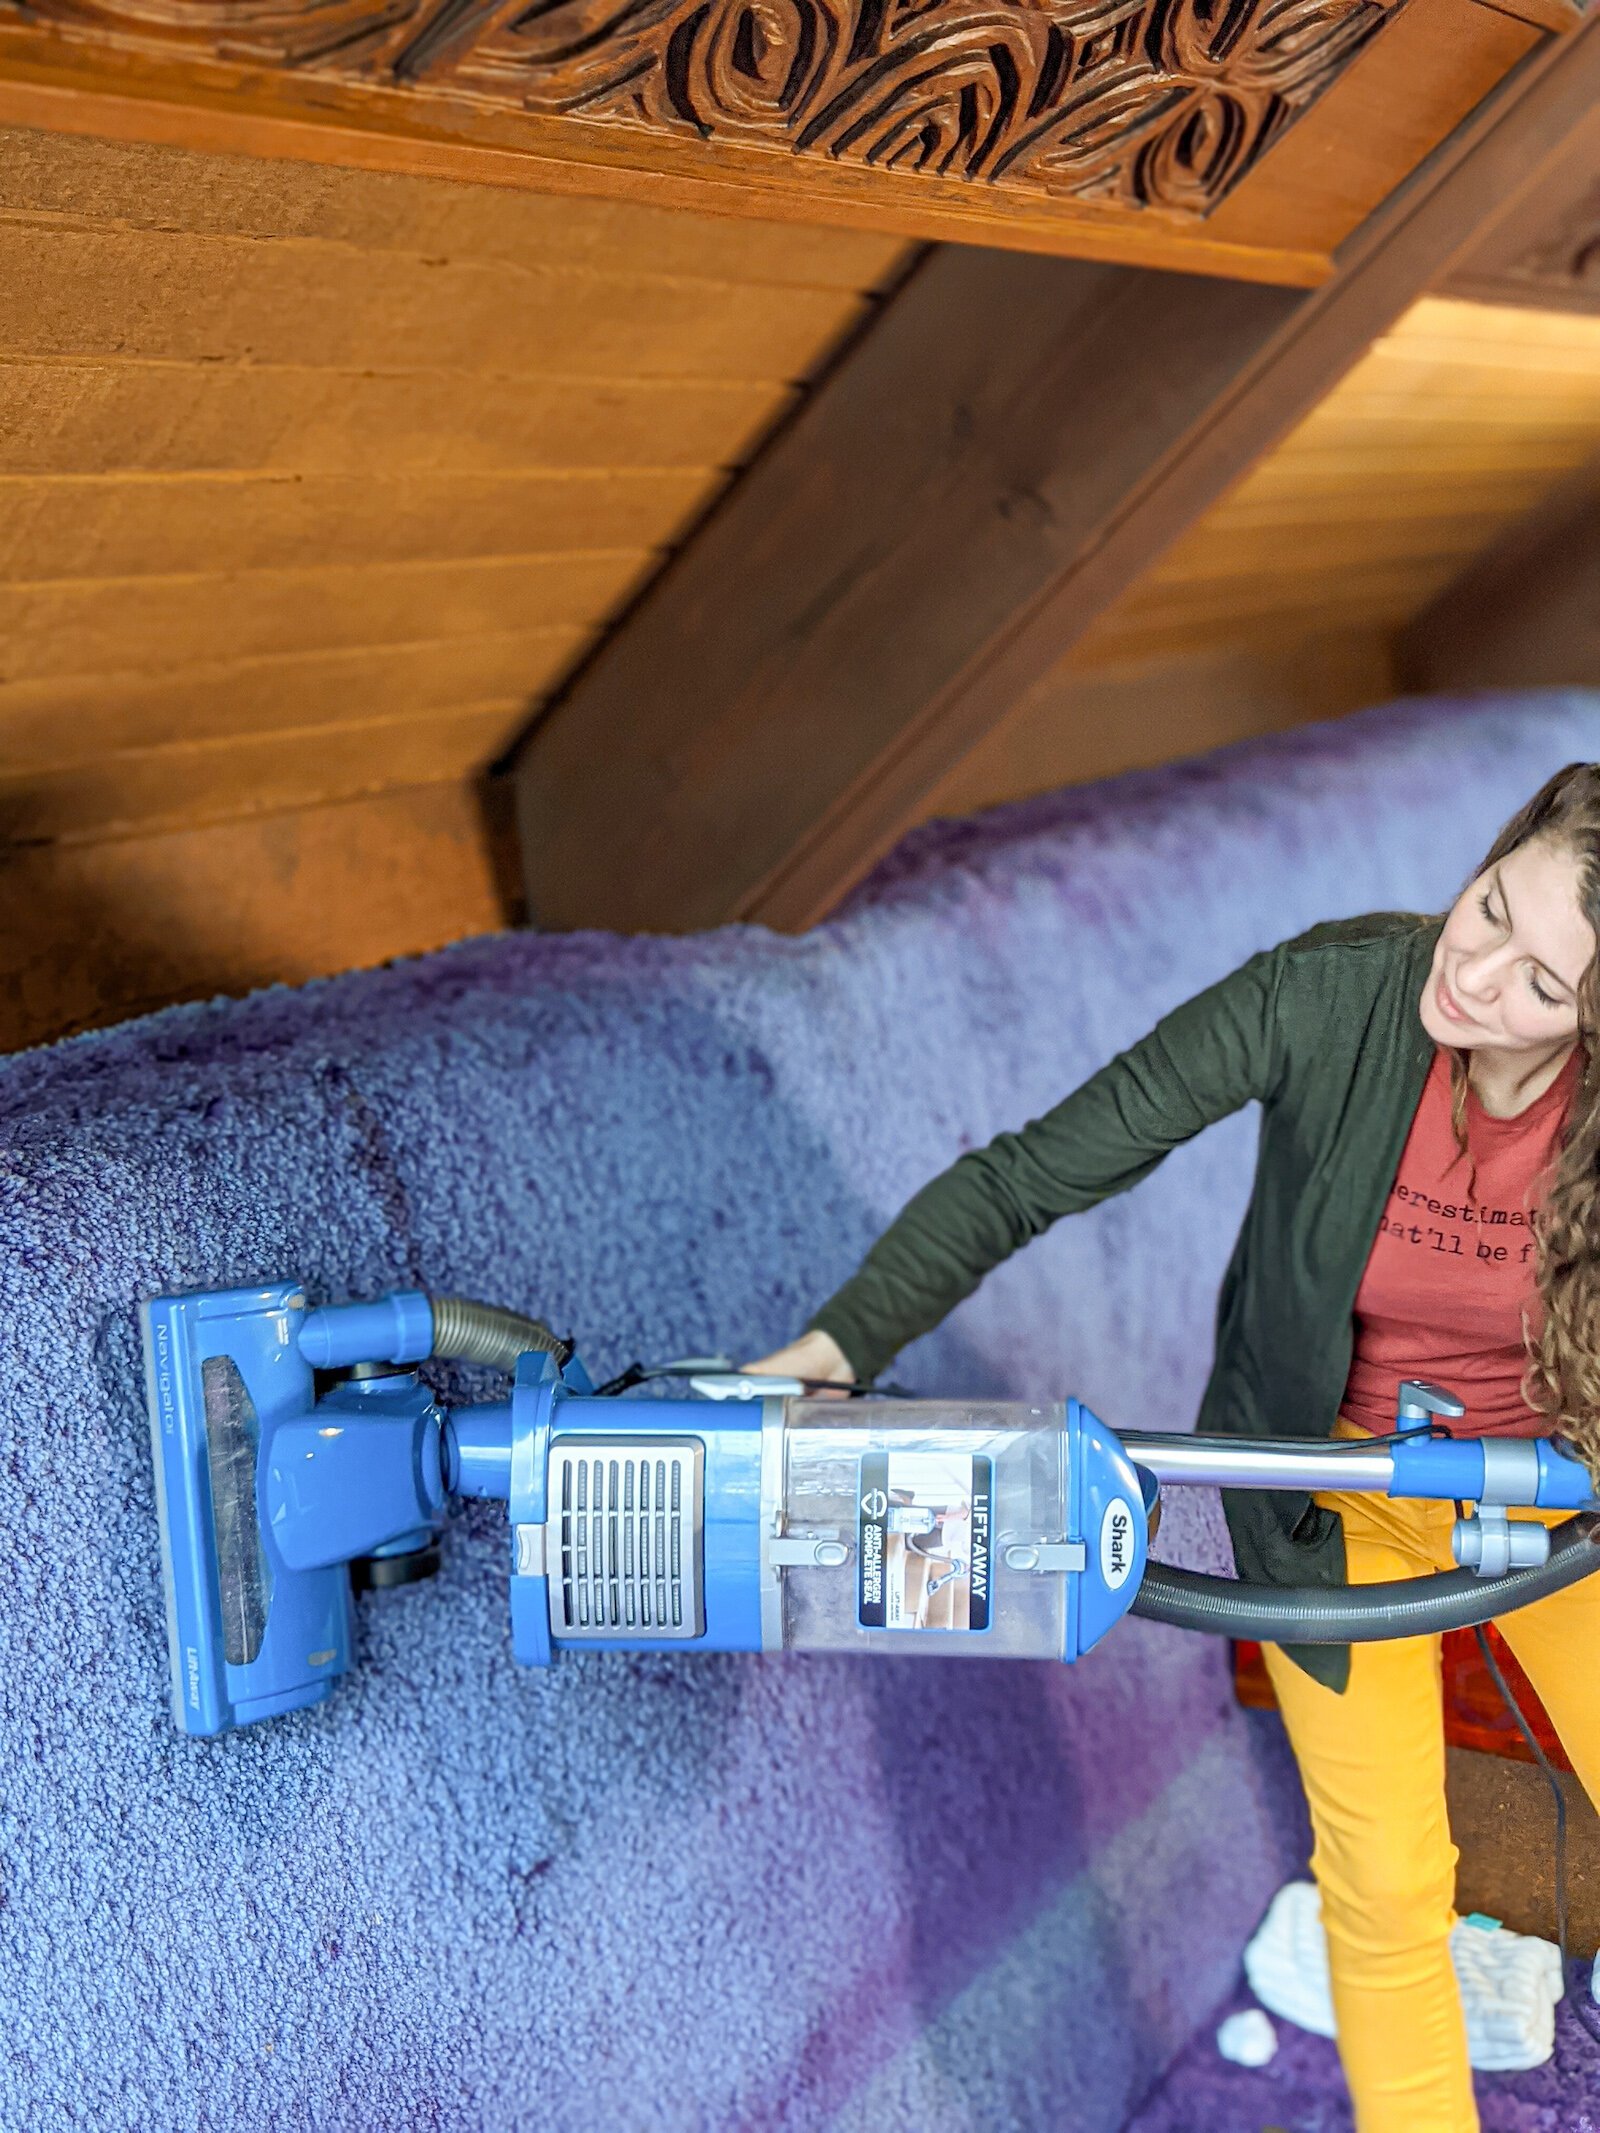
(1510, 1982)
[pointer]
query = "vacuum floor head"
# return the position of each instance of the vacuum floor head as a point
(216, 1366)
(266, 1496)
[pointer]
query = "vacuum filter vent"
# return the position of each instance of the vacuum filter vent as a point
(626, 1517)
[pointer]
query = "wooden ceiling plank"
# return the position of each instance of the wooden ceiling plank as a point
(117, 526)
(94, 932)
(998, 462)
(1537, 351)
(1380, 597)
(1524, 613)
(136, 186)
(140, 790)
(1458, 319)
(71, 416)
(75, 292)
(1317, 503)
(1225, 567)
(558, 272)
(75, 719)
(1349, 472)
(144, 626)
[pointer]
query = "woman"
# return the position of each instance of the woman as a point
(1426, 1204)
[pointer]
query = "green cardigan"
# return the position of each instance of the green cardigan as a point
(1324, 1033)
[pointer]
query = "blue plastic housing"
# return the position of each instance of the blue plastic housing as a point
(546, 1407)
(266, 1495)
(254, 1330)
(398, 1328)
(1452, 1469)
(1108, 1515)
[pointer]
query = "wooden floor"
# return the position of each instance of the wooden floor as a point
(1503, 1819)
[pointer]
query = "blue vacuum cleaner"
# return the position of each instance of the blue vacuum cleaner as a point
(300, 1457)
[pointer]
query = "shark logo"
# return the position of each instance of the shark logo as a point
(1116, 1544)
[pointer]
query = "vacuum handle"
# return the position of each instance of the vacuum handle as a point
(1419, 1400)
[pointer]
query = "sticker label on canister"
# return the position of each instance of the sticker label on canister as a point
(1116, 1543)
(924, 1527)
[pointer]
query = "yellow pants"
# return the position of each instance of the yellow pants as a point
(1373, 1765)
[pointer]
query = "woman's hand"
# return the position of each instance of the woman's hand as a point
(815, 1355)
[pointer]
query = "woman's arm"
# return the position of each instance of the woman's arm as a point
(1207, 1058)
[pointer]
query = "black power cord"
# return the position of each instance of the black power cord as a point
(1582, 2005)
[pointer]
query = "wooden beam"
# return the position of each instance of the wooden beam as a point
(1546, 251)
(1524, 614)
(1014, 443)
(1121, 131)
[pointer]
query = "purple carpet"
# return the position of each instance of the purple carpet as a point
(1302, 2090)
(641, 1893)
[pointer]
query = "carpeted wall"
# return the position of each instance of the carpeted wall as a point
(688, 1893)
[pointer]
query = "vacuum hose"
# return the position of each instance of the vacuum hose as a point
(1365, 1614)
(466, 1332)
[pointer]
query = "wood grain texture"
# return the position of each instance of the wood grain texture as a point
(1280, 604)
(1447, 431)
(82, 291)
(883, 589)
(1547, 252)
(113, 183)
(230, 778)
(111, 95)
(93, 932)
(1126, 101)
(900, 520)
(1092, 128)
(1153, 106)
(143, 626)
(80, 720)
(1526, 612)
(120, 525)
(313, 482)
(1081, 725)
(112, 414)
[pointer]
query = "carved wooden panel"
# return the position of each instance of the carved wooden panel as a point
(1160, 105)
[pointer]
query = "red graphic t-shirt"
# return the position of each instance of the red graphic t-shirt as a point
(1452, 1267)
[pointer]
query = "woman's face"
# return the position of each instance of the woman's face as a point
(1516, 944)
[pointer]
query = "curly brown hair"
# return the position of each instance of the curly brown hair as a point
(1563, 1376)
